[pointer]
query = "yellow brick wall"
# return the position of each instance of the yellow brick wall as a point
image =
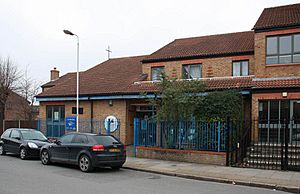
(211, 67)
(101, 109)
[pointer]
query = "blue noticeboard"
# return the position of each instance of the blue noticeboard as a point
(71, 123)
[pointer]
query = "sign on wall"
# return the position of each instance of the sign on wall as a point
(71, 123)
(111, 123)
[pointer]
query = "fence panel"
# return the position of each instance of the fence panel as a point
(185, 134)
(85, 126)
(19, 124)
(275, 145)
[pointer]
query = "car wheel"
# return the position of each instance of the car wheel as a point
(45, 157)
(116, 167)
(85, 163)
(2, 152)
(23, 153)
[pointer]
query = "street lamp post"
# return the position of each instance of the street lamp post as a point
(77, 80)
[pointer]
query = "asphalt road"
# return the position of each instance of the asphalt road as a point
(30, 177)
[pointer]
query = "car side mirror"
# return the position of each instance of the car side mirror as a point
(18, 138)
(57, 142)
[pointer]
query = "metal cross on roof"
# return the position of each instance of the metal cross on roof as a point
(108, 52)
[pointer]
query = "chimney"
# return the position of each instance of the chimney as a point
(54, 74)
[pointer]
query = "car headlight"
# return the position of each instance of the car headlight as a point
(32, 145)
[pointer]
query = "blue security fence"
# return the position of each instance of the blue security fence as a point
(57, 129)
(191, 134)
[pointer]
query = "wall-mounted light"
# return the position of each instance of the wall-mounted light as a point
(110, 103)
(284, 94)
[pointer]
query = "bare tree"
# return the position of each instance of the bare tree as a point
(29, 88)
(9, 76)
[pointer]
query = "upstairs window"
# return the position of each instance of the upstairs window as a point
(191, 71)
(240, 68)
(156, 73)
(283, 49)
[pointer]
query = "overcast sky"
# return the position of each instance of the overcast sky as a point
(31, 32)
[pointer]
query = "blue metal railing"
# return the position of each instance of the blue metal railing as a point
(57, 129)
(184, 134)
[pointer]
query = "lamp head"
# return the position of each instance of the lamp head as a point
(68, 32)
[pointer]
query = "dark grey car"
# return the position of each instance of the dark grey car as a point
(25, 142)
(85, 150)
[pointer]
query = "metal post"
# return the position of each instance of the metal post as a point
(19, 124)
(219, 136)
(3, 124)
(286, 145)
(77, 79)
(39, 124)
(77, 87)
(136, 126)
(227, 141)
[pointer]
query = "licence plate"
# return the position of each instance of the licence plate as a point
(114, 150)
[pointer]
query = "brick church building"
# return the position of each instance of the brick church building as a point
(263, 63)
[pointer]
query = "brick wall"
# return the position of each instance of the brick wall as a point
(16, 108)
(200, 157)
(276, 70)
(211, 67)
(101, 109)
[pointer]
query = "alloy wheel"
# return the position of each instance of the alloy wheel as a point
(84, 163)
(45, 157)
(23, 153)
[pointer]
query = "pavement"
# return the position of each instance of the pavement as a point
(272, 179)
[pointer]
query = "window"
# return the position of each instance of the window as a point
(191, 71)
(273, 111)
(33, 135)
(6, 133)
(106, 140)
(67, 138)
(156, 73)
(283, 49)
(240, 68)
(15, 134)
(80, 139)
(80, 110)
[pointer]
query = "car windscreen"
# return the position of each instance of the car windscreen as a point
(33, 135)
(106, 140)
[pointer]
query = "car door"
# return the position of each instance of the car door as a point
(79, 143)
(14, 141)
(60, 151)
(5, 139)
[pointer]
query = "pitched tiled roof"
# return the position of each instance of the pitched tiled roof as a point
(110, 77)
(283, 82)
(276, 17)
(229, 83)
(243, 82)
(205, 46)
(210, 83)
(63, 78)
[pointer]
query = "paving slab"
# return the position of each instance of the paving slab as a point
(272, 179)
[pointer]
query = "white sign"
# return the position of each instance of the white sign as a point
(111, 123)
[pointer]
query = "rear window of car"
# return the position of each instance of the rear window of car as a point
(105, 140)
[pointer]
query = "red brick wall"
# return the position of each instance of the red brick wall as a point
(200, 157)
(263, 70)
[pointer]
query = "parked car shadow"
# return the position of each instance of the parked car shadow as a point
(96, 170)
(18, 157)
